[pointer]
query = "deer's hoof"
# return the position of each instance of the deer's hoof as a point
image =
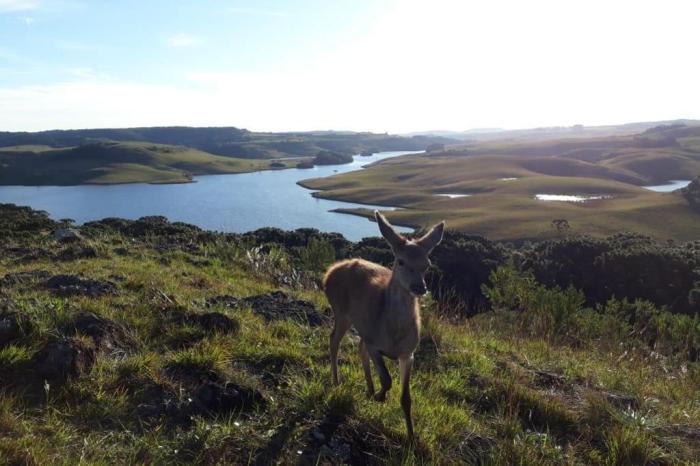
(381, 397)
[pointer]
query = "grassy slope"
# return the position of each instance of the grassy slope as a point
(508, 209)
(111, 162)
(473, 387)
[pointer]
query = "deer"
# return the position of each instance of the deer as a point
(383, 305)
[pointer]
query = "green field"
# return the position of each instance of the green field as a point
(612, 167)
(117, 162)
(158, 369)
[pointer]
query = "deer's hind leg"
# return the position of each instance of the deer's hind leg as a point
(364, 355)
(340, 327)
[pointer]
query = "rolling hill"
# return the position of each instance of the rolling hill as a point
(496, 183)
(230, 141)
(115, 162)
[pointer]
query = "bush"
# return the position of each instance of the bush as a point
(317, 255)
(559, 315)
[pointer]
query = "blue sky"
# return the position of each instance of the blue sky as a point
(379, 65)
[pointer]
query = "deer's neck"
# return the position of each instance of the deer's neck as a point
(398, 298)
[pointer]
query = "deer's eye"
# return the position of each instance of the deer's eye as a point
(400, 262)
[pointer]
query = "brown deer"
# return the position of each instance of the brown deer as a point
(383, 307)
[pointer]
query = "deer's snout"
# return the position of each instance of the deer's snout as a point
(418, 289)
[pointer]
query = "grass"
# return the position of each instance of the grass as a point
(476, 400)
(615, 168)
(117, 162)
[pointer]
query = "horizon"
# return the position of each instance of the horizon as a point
(365, 66)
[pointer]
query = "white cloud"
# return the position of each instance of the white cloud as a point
(10, 6)
(184, 40)
(28, 20)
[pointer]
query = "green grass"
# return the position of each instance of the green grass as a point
(475, 398)
(118, 162)
(611, 167)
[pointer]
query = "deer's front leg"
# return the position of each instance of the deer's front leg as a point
(364, 355)
(384, 376)
(405, 365)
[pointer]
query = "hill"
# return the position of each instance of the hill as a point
(493, 185)
(153, 342)
(115, 162)
(230, 141)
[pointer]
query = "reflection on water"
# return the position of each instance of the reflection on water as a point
(233, 203)
(567, 197)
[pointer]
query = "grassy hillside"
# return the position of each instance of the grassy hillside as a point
(229, 141)
(157, 343)
(116, 162)
(502, 178)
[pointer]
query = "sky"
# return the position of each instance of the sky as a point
(363, 65)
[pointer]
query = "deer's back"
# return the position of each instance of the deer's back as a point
(355, 288)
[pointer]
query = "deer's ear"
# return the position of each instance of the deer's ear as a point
(394, 239)
(432, 238)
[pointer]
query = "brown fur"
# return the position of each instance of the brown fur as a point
(383, 306)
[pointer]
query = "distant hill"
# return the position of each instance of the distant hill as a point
(230, 141)
(555, 132)
(114, 162)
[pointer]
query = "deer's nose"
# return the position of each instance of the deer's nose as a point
(419, 290)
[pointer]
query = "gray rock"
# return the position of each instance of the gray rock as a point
(67, 235)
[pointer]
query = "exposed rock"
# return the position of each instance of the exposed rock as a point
(71, 285)
(20, 278)
(10, 328)
(108, 336)
(67, 235)
(62, 358)
(274, 306)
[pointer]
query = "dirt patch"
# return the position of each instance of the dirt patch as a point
(109, 337)
(23, 278)
(63, 358)
(10, 328)
(197, 393)
(73, 285)
(274, 306)
(210, 321)
(75, 252)
(339, 439)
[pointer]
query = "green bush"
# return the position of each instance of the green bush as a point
(560, 315)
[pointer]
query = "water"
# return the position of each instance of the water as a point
(231, 203)
(453, 196)
(567, 197)
(672, 185)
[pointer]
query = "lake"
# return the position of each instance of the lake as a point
(230, 203)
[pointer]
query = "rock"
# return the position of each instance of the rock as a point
(10, 328)
(67, 235)
(21, 278)
(109, 337)
(62, 358)
(71, 285)
(274, 306)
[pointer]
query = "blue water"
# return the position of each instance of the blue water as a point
(670, 186)
(231, 203)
